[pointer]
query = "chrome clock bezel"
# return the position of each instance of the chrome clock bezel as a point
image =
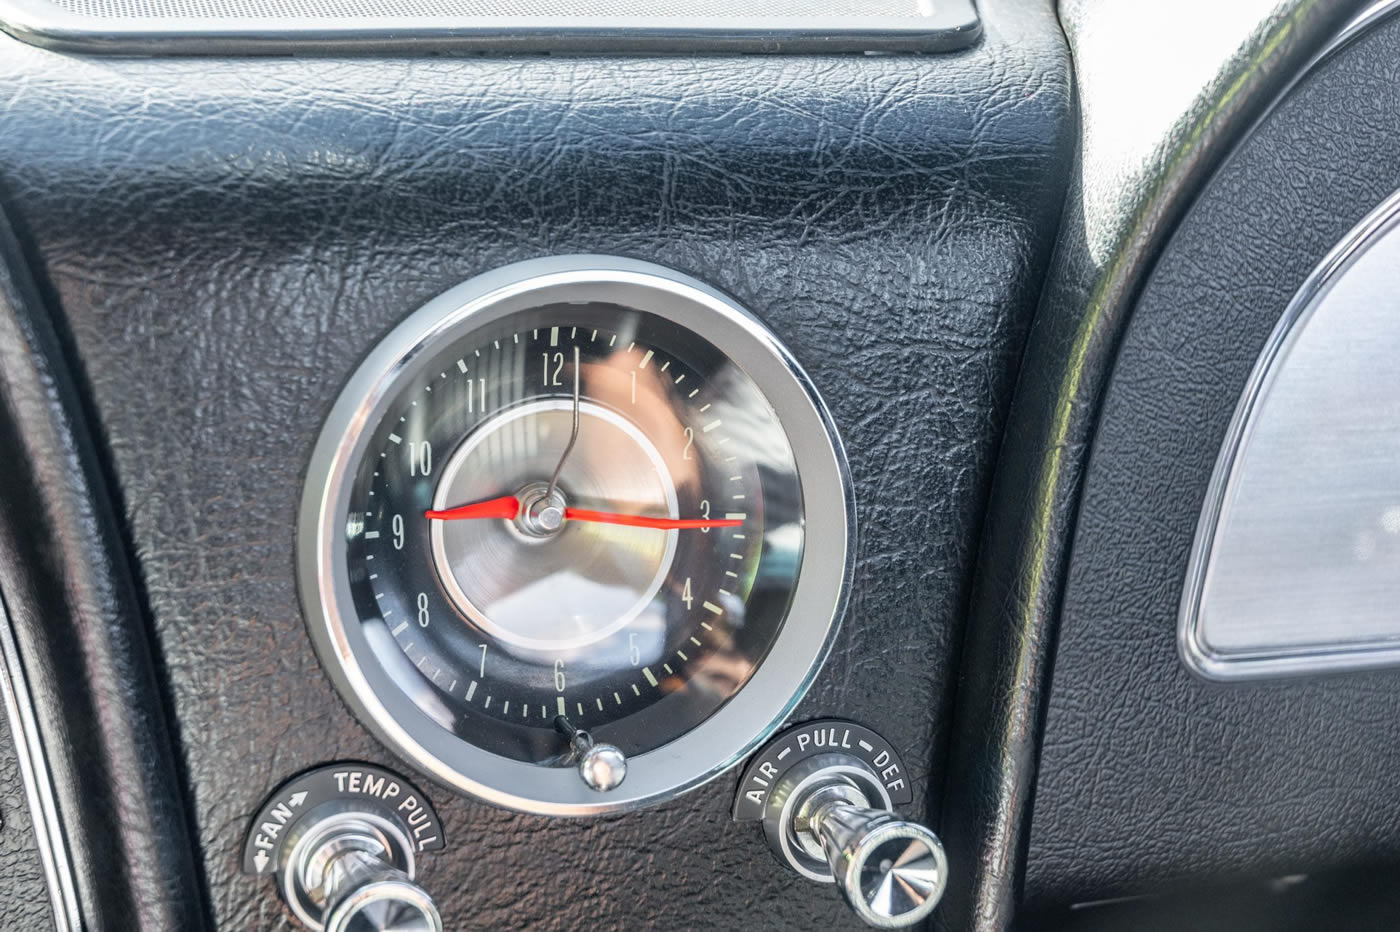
(776, 686)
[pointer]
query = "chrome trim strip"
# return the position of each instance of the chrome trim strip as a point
(38, 782)
(1362, 22)
(1354, 29)
(946, 26)
(1195, 651)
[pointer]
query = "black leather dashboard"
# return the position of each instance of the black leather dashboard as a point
(1142, 156)
(1209, 781)
(107, 777)
(1029, 279)
(219, 242)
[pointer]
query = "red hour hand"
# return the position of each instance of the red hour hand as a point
(507, 507)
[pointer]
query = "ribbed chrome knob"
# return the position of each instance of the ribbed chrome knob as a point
(365, 894)
(829, 817)
(350, 872)
(891, 872)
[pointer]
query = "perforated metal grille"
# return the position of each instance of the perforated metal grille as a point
(465, 11)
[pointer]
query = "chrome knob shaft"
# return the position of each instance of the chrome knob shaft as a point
(353, 872)
(891, 872)
(365, 894)
(829, 817)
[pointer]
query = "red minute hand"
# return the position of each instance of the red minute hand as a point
(662, 524)
(507, 506)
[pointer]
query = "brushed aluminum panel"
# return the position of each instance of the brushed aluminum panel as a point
(1296, 565)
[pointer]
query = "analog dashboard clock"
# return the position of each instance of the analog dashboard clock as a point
(575, 501)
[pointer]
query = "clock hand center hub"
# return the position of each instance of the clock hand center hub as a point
(541, 511)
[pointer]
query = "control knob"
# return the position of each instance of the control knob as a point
(348, 872)
(825, 793)
(891, 872)
(344, 841)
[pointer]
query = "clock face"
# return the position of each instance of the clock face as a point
(576, 502)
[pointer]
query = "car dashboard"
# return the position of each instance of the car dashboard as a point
(804, 467)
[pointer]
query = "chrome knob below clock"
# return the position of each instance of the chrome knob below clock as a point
(346, 869)
(891, 872)
(365, 894)
(344, 841)
(825, 793)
